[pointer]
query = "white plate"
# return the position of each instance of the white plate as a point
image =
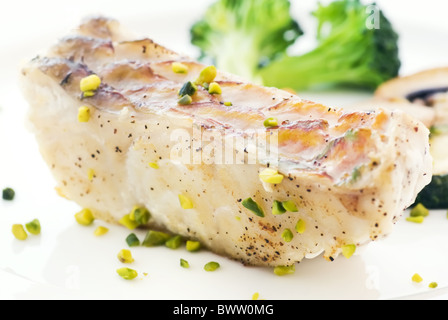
(68, 262)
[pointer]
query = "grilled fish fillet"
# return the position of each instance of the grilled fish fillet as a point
(351, 175)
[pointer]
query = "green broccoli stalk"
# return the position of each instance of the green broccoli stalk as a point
(238, 36)
(349, 52)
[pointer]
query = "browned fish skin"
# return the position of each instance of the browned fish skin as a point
(351, 174)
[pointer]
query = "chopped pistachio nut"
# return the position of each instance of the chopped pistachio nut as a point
(284, 270)
(132, 240)
(356, 174)
(83, 114)
(185, 100)
(128, 222)
(211, 266)
(271, 176)
(100, 231)
(90, 174)
(19, 232)
(174, 242)
(207, 75)
(300, 226)
(33, 227)
(189, 88)
(153, 165)
(88, 94)
(433, 285)
(178, 67)
(155, 238)
(127, 274)
(214, 88)
(277, 208)
(287, 235)
(418, 219)
(192, 246)
(140, 215)
(348, 250)
(185, 202)
(228, 104)
(253, 206)
(417, 278)
(84, 217)
(184, 264)
(351, 135)
(125, 256)
(90, 83)
(8, 194)
(419, 211)
(290, 206)
(270, 122)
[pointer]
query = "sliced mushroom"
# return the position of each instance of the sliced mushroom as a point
(426, 91)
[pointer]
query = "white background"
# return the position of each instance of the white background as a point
(66, 261)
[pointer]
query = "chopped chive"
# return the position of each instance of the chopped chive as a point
(132, 240)
(8, 194)
(250, 204)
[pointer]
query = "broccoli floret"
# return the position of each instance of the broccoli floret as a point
(238, 36)
(349, 51)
